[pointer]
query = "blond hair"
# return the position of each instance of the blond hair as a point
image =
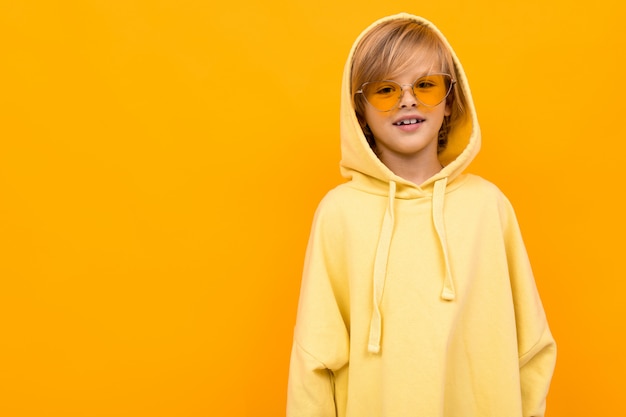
(390, 48)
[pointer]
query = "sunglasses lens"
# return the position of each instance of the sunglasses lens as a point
(432, 89)
(382, 94)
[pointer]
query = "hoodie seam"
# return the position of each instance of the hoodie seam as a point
(452, 186)
(299, 345)
(532, 349)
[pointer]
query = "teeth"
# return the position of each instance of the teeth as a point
(407, 122)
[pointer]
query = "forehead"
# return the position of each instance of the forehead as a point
(415, 63)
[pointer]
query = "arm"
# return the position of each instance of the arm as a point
(536, 368)
(321, 341)
(311, 390)
(536, 346)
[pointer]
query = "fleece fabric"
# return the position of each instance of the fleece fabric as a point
(417, 300)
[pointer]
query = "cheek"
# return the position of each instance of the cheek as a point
(373, 118)
(442, 109)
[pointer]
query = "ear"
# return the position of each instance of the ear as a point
(448, 110)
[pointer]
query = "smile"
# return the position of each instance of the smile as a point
(408, 122)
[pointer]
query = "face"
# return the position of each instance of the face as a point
(410, 130)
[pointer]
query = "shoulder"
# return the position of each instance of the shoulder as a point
(330, 201)
(477, 182)
(471, 183)
(336, 199)
(473, 190)
(346, 209)
(330, 207)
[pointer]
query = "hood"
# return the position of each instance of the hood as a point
(361, 164)
(357, 156)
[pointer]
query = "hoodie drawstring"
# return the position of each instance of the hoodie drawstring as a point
(382, 256)
(439, 193)
(380, 270)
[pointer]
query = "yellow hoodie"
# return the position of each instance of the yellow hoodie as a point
(417, 300)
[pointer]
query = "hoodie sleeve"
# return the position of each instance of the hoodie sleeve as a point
(536, 346)
(321, 341)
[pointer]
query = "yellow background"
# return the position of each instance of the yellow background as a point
(160, 163)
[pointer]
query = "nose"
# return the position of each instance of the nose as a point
(407, 100)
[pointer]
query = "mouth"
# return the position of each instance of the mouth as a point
(412, 121)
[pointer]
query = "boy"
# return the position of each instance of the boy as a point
(417, 296)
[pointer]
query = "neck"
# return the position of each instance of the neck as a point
(416, 170)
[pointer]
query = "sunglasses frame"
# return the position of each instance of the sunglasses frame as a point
(412, 89)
